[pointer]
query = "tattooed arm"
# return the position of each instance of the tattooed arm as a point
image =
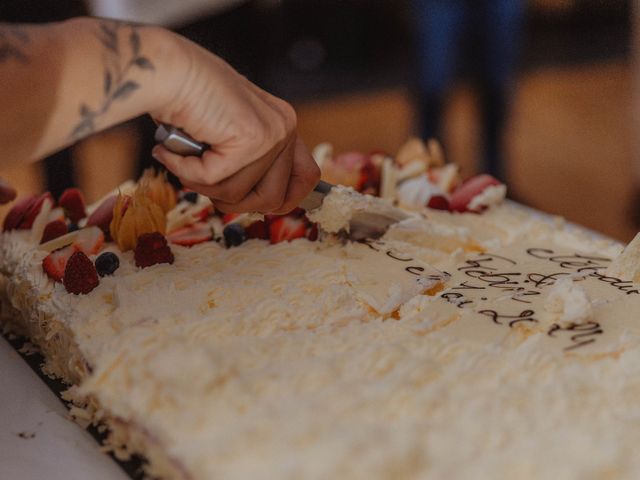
(61, 82)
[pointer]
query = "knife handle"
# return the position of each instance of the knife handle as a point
(176, 141)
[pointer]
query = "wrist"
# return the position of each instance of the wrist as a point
(171, 67)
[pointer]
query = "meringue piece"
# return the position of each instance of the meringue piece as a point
(416, 192)
(410, 170)
(436, 153)
(412, 150)
(41, 220)
(569, 300)
(388, 179)
(626, 266)
(323, 153)
(447, 177)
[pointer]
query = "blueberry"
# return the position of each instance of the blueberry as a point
(72, 227)
(191, 197)
(234, 235)
(107, 263)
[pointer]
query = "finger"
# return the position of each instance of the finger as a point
(240, 184)
(7, 192)
(305, 175)
(270, 193)
(190, 168)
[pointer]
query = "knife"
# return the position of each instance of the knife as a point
(364, 224)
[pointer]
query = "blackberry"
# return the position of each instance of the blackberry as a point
(234, 235)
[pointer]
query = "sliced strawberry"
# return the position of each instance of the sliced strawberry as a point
(191, 235)
(54, 229)
(72, 201)
(462, 196)
(102, 216)
(369, 180)
(312, 233)
(32, 213)
(80, 274)
(229, 217)
(204, 213)
(55, 263)
(89, 240)
(17, 213)
(438, 202)
(270, 218)
(287, 229)
(258, 229)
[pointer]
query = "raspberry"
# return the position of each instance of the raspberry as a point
(80, 275)
(151, 249)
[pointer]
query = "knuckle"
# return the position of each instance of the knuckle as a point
(253, 132)
(289, 116)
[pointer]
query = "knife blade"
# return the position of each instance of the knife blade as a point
(363, 225)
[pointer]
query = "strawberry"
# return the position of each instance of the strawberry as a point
(438, 202)
(191, 235)
(369, 180)
(287, 229)
(55, 263)
(17, 213)
(80, 274)
(229, 217)
(312, 233)
(89, 240)
(53, 230)
(462, 196)
(72, 201)
(204, 213)
(151, 249)
(258, 229)
(24, 213)
(102, 216)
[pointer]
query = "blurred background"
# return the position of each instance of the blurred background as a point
(538, 92)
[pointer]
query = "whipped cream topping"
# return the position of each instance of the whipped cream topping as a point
(292, 361)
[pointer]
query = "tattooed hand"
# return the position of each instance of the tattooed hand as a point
(257, 162)
(64, 81)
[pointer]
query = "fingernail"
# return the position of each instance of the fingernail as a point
(155, 152)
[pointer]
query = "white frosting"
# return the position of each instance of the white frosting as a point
(268, 361)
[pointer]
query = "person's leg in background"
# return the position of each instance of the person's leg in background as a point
(440, 26)
(501, 24)
(59, 171)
